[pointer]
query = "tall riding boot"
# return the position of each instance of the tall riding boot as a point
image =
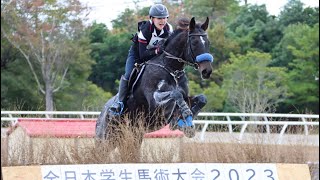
(118, 107)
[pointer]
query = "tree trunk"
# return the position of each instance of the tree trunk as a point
(49, 97)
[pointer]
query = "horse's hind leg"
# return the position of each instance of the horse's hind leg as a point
(106, 133)
(101, 124)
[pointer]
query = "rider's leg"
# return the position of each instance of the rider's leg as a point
(118, 107)
(131, 60)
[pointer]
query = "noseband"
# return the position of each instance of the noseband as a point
(189, 43)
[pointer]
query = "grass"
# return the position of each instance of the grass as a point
(129, 152)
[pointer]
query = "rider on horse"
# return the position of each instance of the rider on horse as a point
(146, 46)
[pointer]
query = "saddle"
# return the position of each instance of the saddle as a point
(135, 76)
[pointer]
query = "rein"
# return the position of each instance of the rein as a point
(170, 56)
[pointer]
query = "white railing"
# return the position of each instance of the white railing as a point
(204, 118)
(251, 119)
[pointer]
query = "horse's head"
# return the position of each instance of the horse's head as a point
(191, 46)
(197, 51)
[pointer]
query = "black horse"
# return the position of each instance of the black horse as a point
(162, 86)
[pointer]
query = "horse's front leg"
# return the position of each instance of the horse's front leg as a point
(173, 100)
(186, 123)
(185, 111)
(197, 103)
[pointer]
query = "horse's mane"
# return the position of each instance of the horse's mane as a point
(176, 32)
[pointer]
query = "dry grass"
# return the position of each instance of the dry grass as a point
(248, 153)
(171, 151)
(190, 152)
(128, 150)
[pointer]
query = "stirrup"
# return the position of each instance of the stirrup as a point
(115, 107)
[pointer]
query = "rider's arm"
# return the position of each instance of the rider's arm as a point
(144, 53)
(144, 37)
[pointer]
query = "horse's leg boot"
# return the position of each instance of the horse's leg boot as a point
(118, 107)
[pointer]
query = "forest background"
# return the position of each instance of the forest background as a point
(52, 60)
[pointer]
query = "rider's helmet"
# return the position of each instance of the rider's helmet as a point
(158, 11)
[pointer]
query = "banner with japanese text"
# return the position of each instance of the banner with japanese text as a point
(177, 171)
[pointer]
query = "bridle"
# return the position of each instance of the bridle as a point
(178, 73)
(189, 50)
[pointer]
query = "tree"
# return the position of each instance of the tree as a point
(109, 50)
(43, 32)
(8, 53)
(294, 13)
(213, 9)
(77, 92)
(214, 94)
(223, 46)
(252, 86)
(17, 89)
(304, 68)
(216, 97)
(126, 21)
(254, 29)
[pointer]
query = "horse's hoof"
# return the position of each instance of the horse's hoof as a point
(189, 132)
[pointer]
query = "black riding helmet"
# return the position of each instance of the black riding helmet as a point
(159, 11)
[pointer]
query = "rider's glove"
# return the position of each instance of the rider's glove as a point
(159, 49)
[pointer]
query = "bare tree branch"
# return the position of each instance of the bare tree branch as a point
(44, 29)
(27, 59)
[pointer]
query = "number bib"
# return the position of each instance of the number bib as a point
(154, 39)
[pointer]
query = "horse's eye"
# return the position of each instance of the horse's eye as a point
(195, 42)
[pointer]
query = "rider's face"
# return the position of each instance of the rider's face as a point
(160, 22)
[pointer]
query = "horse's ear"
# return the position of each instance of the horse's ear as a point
(192, 24)
(205, 25)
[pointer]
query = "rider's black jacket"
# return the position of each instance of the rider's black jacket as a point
(148, 39)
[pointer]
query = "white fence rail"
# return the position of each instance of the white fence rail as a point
(204, 119)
